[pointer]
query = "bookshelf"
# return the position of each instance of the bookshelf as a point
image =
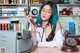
(13, 10)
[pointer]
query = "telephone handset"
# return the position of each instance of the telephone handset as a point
(32, 21)
(69, 43)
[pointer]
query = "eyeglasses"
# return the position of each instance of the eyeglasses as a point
(47, 11)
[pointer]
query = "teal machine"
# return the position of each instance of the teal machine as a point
(15, 42)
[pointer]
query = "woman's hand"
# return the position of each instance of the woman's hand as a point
(28, 17)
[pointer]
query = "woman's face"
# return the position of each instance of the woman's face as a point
(46, 13)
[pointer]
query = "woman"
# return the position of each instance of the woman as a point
(47, 22)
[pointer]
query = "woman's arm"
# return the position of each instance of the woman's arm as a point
(58, 26)
(31, 29)
(58, 34)
(31, 26)
(57, 40)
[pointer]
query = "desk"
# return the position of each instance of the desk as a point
(51, 50)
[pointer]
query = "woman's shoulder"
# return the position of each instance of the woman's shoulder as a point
(58, 26)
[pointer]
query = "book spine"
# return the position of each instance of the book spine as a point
(18, 1)
(0, 26)
(11, 26)
(0, 10)
(14, 1)
(7, 1)
(26, 1)
(8, 26)
(16, 26)
(3, 27)
(4, 1)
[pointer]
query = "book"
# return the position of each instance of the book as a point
(16, 26)
(3, 26)
(1, 1)
(18, 1)
(35, 1)
(0, 26)
(8, 26)
(11, 26)
(0, 10)
(4, 1)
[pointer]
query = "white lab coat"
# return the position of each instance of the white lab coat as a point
(57, 40)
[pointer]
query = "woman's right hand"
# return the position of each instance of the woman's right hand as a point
(28, 17)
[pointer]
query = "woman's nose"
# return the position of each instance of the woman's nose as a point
(45, 12)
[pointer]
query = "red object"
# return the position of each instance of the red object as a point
(66, 11)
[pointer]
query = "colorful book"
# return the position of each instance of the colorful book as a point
(11, 26)
(18, 1)
(3, 26)
(8, 26)
(1, 1)
(4, 1)
(0, 10)
(16, 26)
(0, 26)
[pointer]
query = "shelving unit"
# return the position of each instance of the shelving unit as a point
(13, 12)
(66, 16)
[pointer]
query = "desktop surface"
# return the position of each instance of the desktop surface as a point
(51, 50)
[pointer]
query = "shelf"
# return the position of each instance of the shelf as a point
(69, 4)
(35, 4)
(34, 16)
(13, 4)
(75, 36)
(3, 17)
(69, 15)
(11, 16)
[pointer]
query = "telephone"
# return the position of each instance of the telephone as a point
(69, 44)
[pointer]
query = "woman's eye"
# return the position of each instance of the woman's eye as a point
(43, 10)
(48, 11)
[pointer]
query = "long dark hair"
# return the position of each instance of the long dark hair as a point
(53, 19)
